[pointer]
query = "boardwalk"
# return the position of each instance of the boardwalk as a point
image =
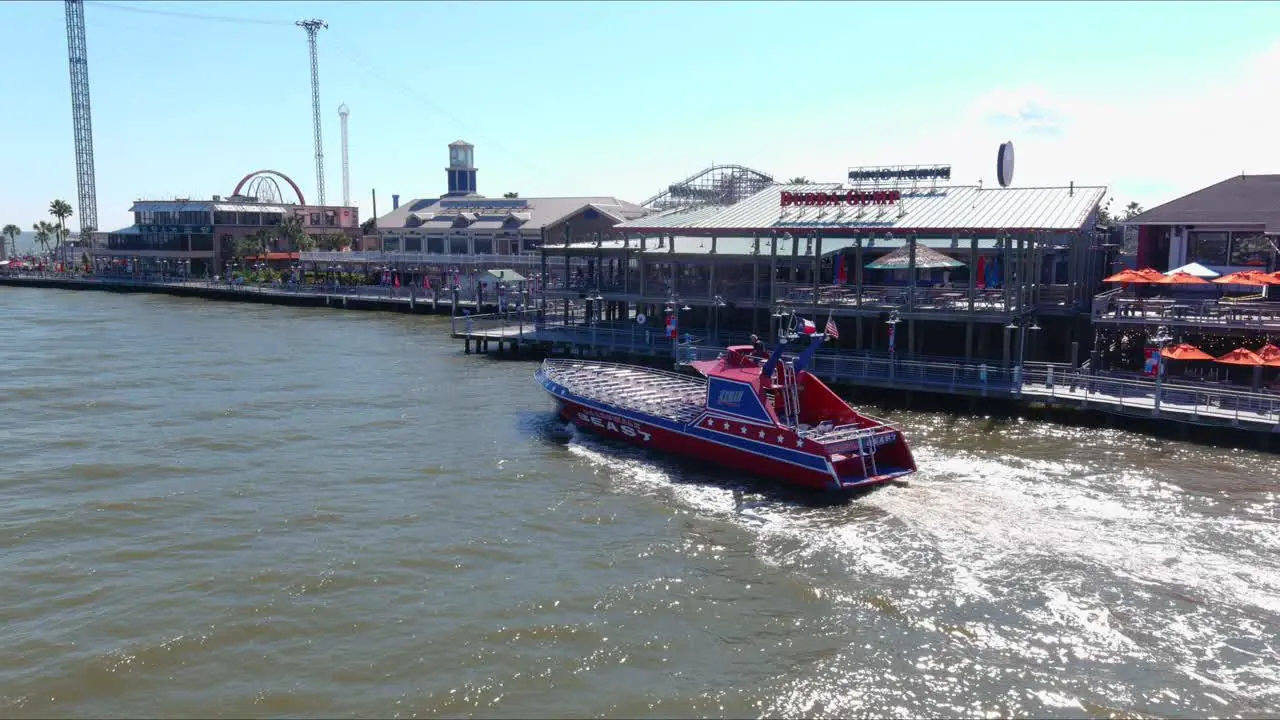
(1055, 384)
(365, 297)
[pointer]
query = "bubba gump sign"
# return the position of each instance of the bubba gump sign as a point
(852, 197)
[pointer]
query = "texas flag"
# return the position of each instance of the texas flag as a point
(807, 327)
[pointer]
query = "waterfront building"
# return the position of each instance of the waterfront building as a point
(198, 237)
(1227, 227)
(1223, 229)
(460, 233)
(966, 269)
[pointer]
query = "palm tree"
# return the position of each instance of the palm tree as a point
(799, 180)
(12, 232)
(43, 231)
(1132, 210)
(294, 235)
(61, 210)
(511, 195)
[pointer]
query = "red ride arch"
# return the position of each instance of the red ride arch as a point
(296, 190)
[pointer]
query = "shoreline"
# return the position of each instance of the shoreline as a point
(1000, 404)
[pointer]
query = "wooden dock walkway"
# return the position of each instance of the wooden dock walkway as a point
(1048, 384)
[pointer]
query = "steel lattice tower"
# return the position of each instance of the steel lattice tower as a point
(343, 112)
(82, 116)
(312, 27)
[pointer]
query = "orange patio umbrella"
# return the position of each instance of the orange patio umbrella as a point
(1187, 352)
(1150, 272)
(1129, 276)
(1270, 355)
(1241, 356)
(1248, 277)
(1181, 278)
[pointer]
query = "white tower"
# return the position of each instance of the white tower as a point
(343, 112)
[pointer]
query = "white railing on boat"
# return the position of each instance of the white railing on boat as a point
(847, 433)
(655, 392)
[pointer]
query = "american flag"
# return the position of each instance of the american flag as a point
(831, 330)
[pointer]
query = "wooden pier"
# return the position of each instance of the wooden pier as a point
(1057, 385)
(365, 297)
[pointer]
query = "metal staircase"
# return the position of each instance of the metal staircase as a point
(790, 395)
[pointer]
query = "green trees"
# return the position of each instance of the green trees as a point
(12, 232)
(44, 233)
(61, 210)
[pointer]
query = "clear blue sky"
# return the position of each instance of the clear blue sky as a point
(593, 98)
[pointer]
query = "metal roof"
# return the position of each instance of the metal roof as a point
(541, 211)
(742, 246)
(951, 207)
(487, 225)
(170, 206)
(673, 218)
(233, 207)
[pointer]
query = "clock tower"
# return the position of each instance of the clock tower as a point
(462, 168)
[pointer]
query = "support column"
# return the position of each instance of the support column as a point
(857, 272)
(773, 274)
(795, 255)
(973, 271)
(911, 273)
(817, 272)
(1004, 269)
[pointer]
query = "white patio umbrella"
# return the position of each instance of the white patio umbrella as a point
(1195, 269)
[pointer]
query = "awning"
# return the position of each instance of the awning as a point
(926, 259)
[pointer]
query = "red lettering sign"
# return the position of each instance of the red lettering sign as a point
(852, 197)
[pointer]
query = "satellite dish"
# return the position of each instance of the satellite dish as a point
(640, 319)
(1004, 164)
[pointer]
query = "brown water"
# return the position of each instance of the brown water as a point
(238, 510)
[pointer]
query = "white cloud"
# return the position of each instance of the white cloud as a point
(1147, 144)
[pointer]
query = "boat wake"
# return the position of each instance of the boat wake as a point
(991, 572)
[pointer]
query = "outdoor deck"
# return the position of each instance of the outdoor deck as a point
(1116, 307)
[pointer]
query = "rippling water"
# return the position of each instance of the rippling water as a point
(234, 510)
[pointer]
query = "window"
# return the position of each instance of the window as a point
(315, 219)
(330, 219)
(435, 245)
(1249, 248)
(413, 244)
(1207, 248)
(483, 246)
(458, 246)
(391, 244)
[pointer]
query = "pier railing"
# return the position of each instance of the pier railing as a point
(1238, 407)
(1054, 383)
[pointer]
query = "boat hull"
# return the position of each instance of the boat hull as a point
(638, 432)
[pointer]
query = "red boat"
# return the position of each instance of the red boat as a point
(768, 417)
